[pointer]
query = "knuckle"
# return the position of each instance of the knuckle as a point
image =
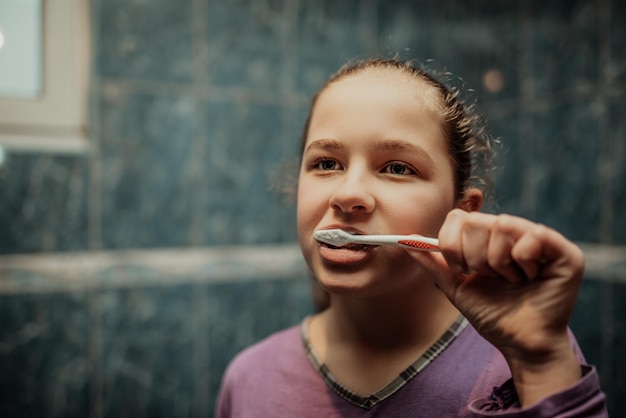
(505, 223)
(455, 214)
(578, 258)
(540, 230)
(498, 262)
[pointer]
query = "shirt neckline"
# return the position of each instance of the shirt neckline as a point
(402, 379)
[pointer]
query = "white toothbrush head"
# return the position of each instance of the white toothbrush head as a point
(334, 237)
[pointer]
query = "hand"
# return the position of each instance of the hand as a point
(516, 282)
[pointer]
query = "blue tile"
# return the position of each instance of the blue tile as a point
(329, 35)
(147, 194)
(248, 44)
(588, 314)
(43, 203)
(147, 351)
(407, 28)
(599, 323)
(566, 170)
(241, 314)
(616, 396)
(43, 355)
(145, 40)
(617, 42)
(241, 207)
(477, 42)
(511, 165)
(617, 132)
(565, 45)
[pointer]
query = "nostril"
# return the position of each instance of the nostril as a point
(353, 195)
(351, 206)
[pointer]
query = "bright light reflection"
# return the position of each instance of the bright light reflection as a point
(1, 39)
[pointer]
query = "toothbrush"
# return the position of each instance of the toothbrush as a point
(340, 238)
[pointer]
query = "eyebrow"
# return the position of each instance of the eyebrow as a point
(398, 145)
(325, 144)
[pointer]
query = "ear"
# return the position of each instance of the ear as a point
(472, 200)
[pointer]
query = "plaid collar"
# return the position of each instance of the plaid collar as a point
(403, 378)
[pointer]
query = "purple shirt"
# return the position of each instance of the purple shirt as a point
(275, 378)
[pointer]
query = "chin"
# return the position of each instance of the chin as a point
(349, 283)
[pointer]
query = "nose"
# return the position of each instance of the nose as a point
(353, 194)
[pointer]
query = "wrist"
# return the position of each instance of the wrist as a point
(539, 375)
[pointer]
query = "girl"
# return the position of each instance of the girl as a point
(479, 329)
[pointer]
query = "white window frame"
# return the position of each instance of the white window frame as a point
(57, 121)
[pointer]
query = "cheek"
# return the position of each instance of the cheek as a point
(308, 202)
(425, 212)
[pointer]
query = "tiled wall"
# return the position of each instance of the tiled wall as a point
(196, 114)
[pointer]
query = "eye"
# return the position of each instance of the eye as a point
(398, 169)
(326, 164)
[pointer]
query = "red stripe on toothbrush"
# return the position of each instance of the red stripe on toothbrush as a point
(419, 245)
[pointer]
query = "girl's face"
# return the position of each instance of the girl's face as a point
(375, 161)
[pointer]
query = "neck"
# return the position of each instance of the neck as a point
(386, 322)
(367, 342)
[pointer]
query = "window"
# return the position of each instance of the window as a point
(53, 118)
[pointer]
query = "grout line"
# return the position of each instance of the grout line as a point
(200, 350)
(210, 93)
(607, 325)
(198, 203)
(219, 94)
(199, 183)
(369, 17)
(53, 273)
(290, 40)
(605, 165)
(94, 181)
(606, 170)
(94, 353)
(527, 107)
(94, 223)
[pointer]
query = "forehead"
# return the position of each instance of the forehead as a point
(376, 80)
(378, 101)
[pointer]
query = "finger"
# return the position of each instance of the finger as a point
(560, 252)
(450, 241)
(476, 236)
(505, 233)
(541, 247)
(527, 253)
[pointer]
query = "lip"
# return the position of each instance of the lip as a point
(345, 256)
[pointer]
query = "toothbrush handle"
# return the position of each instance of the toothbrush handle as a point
(418, 244)
(414, 242)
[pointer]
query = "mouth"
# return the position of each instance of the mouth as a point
(354, 247)
(346, 254)
(350, 246)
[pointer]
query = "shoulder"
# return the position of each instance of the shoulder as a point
(260, 360)
(259, 376)
(284, 343)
